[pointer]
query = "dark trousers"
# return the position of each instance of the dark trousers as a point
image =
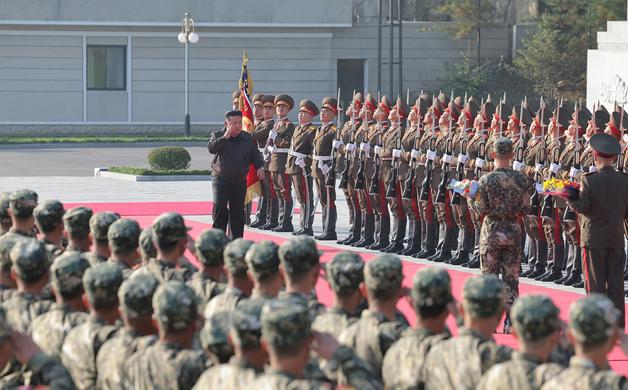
(229, 205)
(604, 274)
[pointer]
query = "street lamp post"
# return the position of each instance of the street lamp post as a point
(187, 36)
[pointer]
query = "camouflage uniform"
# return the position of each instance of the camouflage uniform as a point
(209, 246)
(22, 203)
(135, 296)
(50, 329)
(373, 333)
(403, 363)
(168, 227)
(285, 324)
(593, 320)
(123, 236)
(82, 344)
(76, 222)
(6, 244)
(234, 261)
(5, 218)
(99, 226)
(147, 248)
(502, 197)
(214, 337)
(41, 370)
(344, 275)
(246, 331)
(166, 365)
(30, 263)
(48, 215)
(535, 317)
(297, 256)
(262, 260)
(460, 362)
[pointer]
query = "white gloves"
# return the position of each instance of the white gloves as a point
(538, 168)
(351, 147)
(431, 155)
(336, 144)
(554, 168)
(479, 162)
(272, 135)
(517, 165)
(325, 169)
(396, 153)
(573, 172)
(300, 162)
(415, 154)
(447, 158)
(463, 158)
(378, 150)
(365, 147)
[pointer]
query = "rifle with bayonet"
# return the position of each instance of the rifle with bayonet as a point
(620, 157)
(547, 211)
(570, 215)
(535, 201)
(330, 180)
(374, 190)
(520, 146)
(441, 195)
(359, 176)
(426, 185)
(462, 155)
(409, 183)
(391, 188)
(344, 176)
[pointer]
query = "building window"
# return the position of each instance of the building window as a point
(106, 68)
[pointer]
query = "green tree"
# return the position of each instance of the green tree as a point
(554, 59)
(470, 16)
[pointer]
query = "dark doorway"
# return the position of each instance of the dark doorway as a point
(350, 78)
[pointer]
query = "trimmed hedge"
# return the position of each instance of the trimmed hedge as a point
(150, 172)
(169, 158)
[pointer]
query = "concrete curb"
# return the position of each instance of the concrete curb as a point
(99, 172)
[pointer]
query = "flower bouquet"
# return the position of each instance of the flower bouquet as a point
(467, 188)
(559, 187)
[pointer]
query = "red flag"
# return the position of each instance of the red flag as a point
(253, 185)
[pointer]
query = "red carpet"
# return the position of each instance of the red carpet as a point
(144, 213)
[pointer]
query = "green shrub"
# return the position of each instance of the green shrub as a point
(169, 158)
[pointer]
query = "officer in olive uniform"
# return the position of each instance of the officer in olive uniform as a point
(347, 165)
(602, 215)
(324, 141)
(280, 138)
(299, 165)
(268, 207)
(364, 171)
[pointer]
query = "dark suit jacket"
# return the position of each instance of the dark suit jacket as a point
(603, 208)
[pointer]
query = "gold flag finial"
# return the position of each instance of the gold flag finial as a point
(245, 58)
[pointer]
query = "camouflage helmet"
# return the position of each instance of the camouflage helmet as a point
(593, 319)
(345, 272)
(535, 317)
(101, 283)
(6, 244)
(175, 305)
(124, 235)
(76, 221)
(22, 203)
(170, 228)
(262, 259)
(4, 207)
(431, 288)
(99, 224)
(383, 274)
(285, 322)
(5, 328)
(483, 296)
(214, 336)
(246, 328)
(209, 246)
(48, 215)
(67, 273)
(136, 295)
(147, 248)
(503, 146)
(29, 259)
(234, 256)
(298, 255)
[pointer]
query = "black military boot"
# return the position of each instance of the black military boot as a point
(369, 229)
(414, 244)
(330, 230)
(384, 234)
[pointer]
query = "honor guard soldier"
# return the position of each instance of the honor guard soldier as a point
(411, 175)
(442, 197)
(602, 203)
(570, 166)
(299, 164)
(268, 206)
(278, 145)
(462, 216)
(322, 167)
(553, 207)
(364, 172)
(377, 191)
(347, 165)
(390, 174)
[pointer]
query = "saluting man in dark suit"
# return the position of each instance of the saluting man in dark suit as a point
(603, 206)
(234, 150)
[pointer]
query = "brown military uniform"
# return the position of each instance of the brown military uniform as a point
(299, 168)
(323, 140)
(347, 165)
(268, 204)
(281, 181)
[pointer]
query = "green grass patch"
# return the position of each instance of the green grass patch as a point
(99, 139)
(149, 172)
